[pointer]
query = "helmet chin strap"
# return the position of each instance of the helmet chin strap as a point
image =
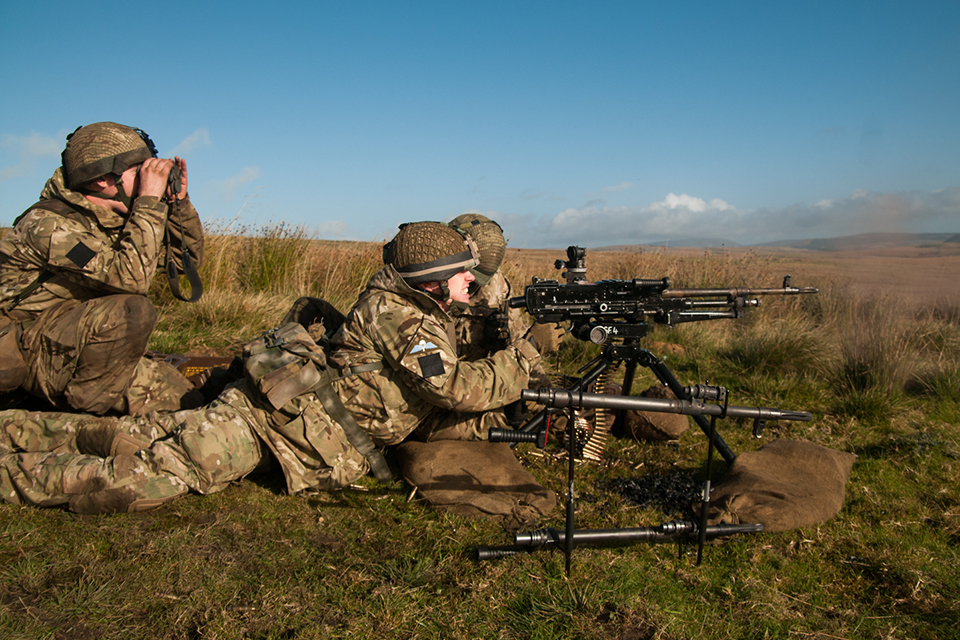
(121, 195)
(457, 307)
(443, 297)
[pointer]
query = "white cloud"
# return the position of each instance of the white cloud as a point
(693, 204)
(623, 186)
(682, 217)
(28, 149)
(197, 139)
(228, 186)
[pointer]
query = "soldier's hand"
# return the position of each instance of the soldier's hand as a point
(154, 173)
(516, 413)
(496, 336)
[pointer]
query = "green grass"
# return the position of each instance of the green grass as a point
(252, 562)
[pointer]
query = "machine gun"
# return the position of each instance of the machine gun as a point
(618, 313)
(621, 309)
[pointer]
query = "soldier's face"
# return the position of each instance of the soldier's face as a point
(130, 179)
(459, 286)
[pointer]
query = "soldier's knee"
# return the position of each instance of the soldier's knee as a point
(145, 493)
(140, 314)
(121, 315)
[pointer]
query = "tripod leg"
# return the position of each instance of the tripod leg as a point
(666, 376)
(629, 373)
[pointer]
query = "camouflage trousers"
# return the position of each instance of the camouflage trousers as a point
(87, 356)
(96, 465)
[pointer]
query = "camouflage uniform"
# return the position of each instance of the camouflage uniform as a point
(487, 325)
(203, 450)
(85, 329)
(422, 387)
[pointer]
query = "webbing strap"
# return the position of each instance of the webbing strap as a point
(55, 206)
(361, 368)
(24, 293)
(355, 434)
(193, 277)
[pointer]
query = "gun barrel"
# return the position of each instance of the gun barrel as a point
(565, 398)
(736, 292)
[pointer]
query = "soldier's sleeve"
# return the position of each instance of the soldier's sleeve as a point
(420, 350)
(126, 265)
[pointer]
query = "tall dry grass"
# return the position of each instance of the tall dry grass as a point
(251, 277)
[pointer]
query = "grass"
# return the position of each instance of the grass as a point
(882, 379)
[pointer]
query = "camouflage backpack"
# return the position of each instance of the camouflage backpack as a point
(288, 361)
(284, 363)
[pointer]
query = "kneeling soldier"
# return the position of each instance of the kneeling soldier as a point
(77, 265)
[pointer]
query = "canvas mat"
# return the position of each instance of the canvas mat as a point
(475, 479)
(786, 484)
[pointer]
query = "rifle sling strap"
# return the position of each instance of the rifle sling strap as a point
(173, 276)
(355, 434)
(24, 293)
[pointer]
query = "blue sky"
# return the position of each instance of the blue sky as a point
(568, 122)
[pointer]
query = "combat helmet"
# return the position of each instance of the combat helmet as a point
(103, 148)
(490, 243)
(423, 252)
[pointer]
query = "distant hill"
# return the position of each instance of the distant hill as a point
(868, 241)
(863, 241)
(681, 243)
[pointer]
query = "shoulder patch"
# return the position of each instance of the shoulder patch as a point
(424, 346)
(431, 365)
(80, 255)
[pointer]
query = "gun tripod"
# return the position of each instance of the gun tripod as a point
(697, 401)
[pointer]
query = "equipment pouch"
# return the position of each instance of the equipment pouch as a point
(13, 370)
(283, 363)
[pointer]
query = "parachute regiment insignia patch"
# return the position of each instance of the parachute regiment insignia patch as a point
(423, 345)
(431, 364)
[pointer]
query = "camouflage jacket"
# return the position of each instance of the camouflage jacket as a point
(470, 322)
(90, 250)
(421, 378)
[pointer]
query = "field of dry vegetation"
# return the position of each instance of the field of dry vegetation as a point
(875, 356)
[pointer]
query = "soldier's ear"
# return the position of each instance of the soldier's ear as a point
(99, 184)
(430, 287)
